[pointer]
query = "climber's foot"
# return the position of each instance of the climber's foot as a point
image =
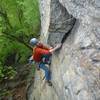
(49, 83)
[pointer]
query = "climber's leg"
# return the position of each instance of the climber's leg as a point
(47, 71)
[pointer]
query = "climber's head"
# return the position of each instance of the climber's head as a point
(34, 41)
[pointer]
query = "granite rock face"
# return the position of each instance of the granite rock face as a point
(60, 22)
(76, 66)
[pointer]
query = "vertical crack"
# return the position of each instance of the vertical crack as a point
(68, 33)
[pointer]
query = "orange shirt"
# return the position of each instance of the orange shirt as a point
(39, 51)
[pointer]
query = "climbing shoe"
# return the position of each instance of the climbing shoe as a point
(49, 83)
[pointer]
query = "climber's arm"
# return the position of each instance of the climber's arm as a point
(55, 48)
(46, 47)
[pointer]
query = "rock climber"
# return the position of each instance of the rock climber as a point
(40, 51)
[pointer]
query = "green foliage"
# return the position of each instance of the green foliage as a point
(1, 72)
(30, 11)
(9, 72)
(6, 72)
(12, 47)
(4, 93)
(19, 21)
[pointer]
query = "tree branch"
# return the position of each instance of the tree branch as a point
(5, 17)
(17, 39)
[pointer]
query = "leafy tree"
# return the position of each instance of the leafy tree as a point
(19, 21)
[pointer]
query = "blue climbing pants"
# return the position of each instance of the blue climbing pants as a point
(47, 71)
(46, 61)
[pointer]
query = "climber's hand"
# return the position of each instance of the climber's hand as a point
(30, 60)
(51, 48)
(58, 46)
